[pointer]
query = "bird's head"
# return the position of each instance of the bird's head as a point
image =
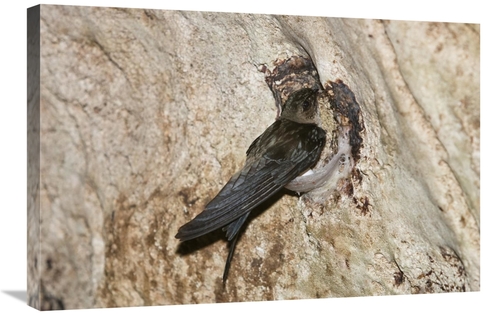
(302, 107)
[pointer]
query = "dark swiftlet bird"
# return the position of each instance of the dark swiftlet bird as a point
(286, 149)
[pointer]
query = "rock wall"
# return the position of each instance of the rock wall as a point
(145, 114)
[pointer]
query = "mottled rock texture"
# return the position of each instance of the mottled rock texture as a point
(145, 114)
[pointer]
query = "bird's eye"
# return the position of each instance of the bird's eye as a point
(306, 105)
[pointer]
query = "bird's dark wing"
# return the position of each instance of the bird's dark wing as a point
(272, 162)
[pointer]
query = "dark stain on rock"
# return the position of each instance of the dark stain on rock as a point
(272, 263)
(451, 257)
(463, 223)
(49, 263)
(187, 197)
(150, 14)
(343, 101)
(256, 263)
(438, 48)
(428, 286)
(423, 275)
(357, 176)
(154, 284)
(363, 204)
(346, 187)
(399, 278)
(430, 258)
(436, 280)
(132, 277)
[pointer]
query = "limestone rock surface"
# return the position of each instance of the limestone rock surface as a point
(145, 114)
